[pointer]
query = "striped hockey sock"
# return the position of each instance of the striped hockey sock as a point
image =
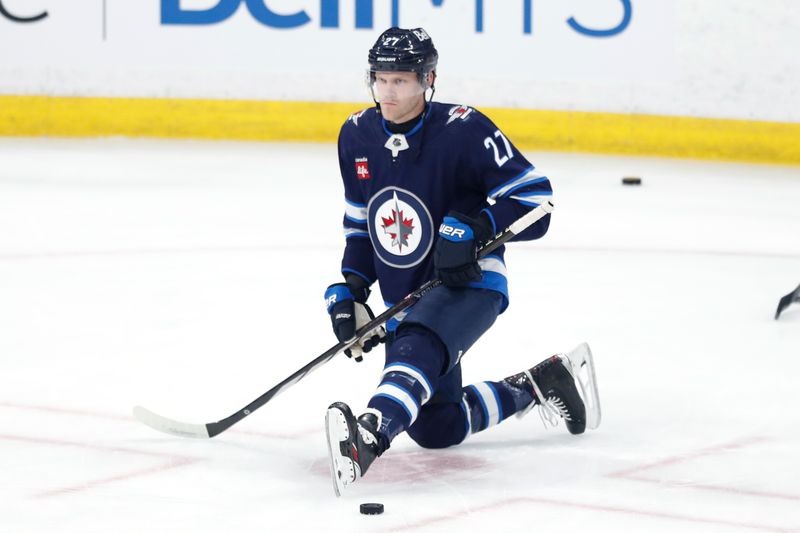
(488, 403)
(403, 390)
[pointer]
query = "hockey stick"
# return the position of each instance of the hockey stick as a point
(206, 431)
(793, 296)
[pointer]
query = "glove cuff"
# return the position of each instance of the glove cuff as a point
(481, 225)
(337, 293)
(359, 287)
(484, 229)
(354, 288)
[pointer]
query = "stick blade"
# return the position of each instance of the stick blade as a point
(169, 426)
(787, 300)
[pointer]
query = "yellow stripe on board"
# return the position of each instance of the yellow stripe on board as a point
(687, 137)
(173, 118)
(652, 135)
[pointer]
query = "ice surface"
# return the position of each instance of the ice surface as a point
(188, 277)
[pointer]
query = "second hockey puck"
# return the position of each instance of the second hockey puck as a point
(631, 180)
(371, 508)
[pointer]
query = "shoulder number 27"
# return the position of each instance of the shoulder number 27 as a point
(488, 142)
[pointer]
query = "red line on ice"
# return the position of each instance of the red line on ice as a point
(465, 514)
(716, 488)
(173, 461)
(630, 473)
(714, 450)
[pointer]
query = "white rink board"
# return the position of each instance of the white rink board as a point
(708, 58)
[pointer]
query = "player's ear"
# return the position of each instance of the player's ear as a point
(430, 79)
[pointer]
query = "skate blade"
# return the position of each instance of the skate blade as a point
(583, 370)
(336, 431)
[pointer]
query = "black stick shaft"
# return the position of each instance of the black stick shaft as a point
(215, 428)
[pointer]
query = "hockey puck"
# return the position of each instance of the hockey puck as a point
(631, 180)
(371, 508)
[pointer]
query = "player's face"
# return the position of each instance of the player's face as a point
(400, 94)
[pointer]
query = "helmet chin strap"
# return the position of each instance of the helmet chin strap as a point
(433, 90)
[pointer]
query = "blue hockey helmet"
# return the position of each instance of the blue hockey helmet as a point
(399, 49)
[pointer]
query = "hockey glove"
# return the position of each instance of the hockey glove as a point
(455, 257)
(348, 310)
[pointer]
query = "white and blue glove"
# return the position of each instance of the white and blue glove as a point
(455, 257)
(347, 306)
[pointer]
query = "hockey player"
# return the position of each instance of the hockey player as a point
(426, 183)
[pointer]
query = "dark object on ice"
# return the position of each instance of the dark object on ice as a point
(371, 508)
(793, 296)
(631, 180)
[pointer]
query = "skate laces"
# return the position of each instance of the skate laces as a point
(551, 408)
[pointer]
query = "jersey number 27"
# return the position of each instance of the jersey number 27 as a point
(488, 142)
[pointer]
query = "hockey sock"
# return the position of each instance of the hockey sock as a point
(413, 363)
(490, 402)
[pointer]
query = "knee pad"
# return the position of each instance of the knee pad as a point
(438, 426)
(419, 347)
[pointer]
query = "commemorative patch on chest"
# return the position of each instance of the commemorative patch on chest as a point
(400, 227)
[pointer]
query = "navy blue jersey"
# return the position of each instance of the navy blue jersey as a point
(398, 188)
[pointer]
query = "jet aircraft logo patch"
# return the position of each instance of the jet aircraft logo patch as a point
(400, 227)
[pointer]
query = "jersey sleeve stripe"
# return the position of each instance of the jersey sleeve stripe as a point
(535, 181)
(354, 204)
(526, 195)
(528, 177)
(355, 212)
(355, 220)
(353, 232)
(493, 263)
(534, 199)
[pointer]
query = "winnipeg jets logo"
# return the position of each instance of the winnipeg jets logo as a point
(459, 111)
(400, 227)
(355, 116)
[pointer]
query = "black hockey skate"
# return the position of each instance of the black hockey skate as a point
(564, 386)
(352, 444)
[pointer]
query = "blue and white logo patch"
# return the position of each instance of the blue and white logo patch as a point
(400, 227)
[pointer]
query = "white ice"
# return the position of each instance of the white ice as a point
(188, 277)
